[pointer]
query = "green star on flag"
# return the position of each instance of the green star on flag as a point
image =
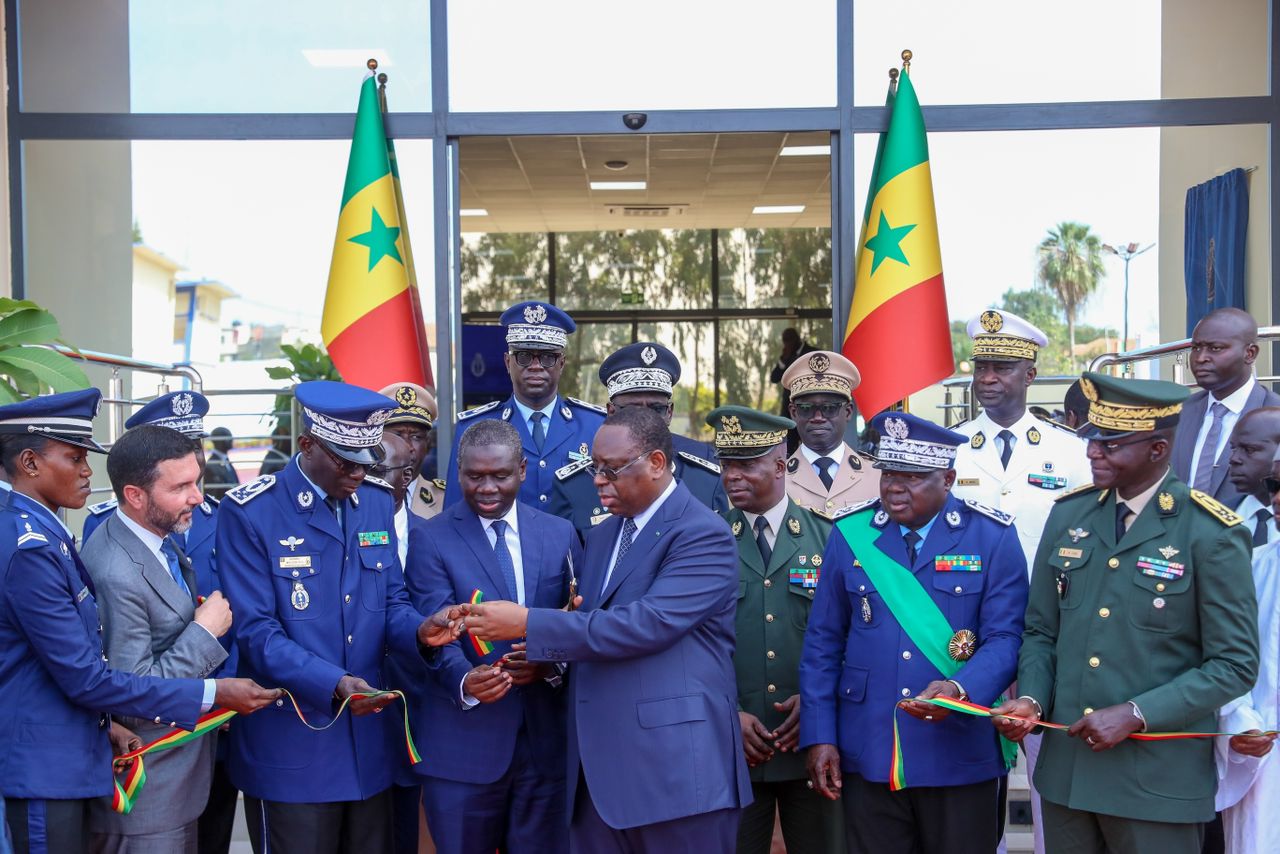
(381, 240)
(886, 243)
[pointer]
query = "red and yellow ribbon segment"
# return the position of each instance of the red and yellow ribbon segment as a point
(130, 783)
(482, 647)
(897, 772)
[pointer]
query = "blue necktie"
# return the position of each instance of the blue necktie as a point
(539, 431)
(624, 546)
(175, 566)
(503, 554)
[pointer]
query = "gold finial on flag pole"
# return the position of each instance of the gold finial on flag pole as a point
(372, 64)
(893, 79)
(906, 61)
(382, 91)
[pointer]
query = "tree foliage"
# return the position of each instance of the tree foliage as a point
(1070, 266)
(28, 364)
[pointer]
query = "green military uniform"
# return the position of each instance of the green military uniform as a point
(1165, 618)
(774, 599)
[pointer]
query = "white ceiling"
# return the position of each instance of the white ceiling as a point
(542, 183)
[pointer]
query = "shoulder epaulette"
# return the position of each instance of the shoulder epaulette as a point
(1216, 508)
(206, 508)
(565, 472)
(439, 482)
(213, 502)
(1063, 427)
(377, 481)
(848, 510)
(472, 413)
(699, 461)
(585, 405)
(242, 494)
(1079, 490)
(29, 539)
(990, 512)
(102, 507)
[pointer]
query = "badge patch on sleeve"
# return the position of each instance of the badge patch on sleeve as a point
(957, 563)
(373, 538)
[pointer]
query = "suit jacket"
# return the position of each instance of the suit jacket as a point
(449, 557)
(855, 481)
(570, 431)
(767, 660)
(1184, 442)
(55, 686)
(314, 600)
(652, 695)
(1176, 593)
(148, 628)
(859, 661)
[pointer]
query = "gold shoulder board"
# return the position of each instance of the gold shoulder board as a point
(1077, 491)
(1216, 508)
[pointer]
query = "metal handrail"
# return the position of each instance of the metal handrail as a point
(1177, 349)
(115, 383)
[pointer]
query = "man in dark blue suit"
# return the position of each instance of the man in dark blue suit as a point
(921, 595)
(554, 430)
(655, 747)
(640, 374)
(493, 767)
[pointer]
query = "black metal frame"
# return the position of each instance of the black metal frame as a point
(444, 127)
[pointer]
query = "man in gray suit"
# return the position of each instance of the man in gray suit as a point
(1224, 345)
(152, 625)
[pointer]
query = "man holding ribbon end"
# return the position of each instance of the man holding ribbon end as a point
(922, 597)
(1137, 566)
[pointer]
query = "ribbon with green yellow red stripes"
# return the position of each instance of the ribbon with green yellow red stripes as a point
(897, 770)
(482, 647)
(129, 784)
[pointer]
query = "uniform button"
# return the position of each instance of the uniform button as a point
(906, 655)
(768, 618)
(347, 598)
(349, 638)
(1094, 661)
(279, 703)
(768, 583)
(295, 573)
(771, 654)
(1104, 612)
(772, 688)
(959, 589)
(811, 592)
(906, 692)
(1160, 587)
(1088, 711)
(379, 564)
(830, 504)
(542, 498)
(157, 719)
(313, 572)
(542, 464)
(1114, 562)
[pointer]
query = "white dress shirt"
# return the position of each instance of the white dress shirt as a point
(154, 543)
(640, 521)
(1249, 508)
(837, 454)
(512, 539)
(401, 519)
(1234, 403)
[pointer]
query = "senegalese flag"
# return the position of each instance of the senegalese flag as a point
(898, 334)
(373, 326)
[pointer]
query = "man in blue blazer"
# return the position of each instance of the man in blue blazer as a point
(493, 767)
(921, 595)
(655, 746)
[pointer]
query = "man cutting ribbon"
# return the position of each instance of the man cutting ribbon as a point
(922, 596)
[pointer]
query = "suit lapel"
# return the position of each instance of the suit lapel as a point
(805, 477)
(595, 560)
(942, 538)
(785, 543)
(154, 573)
(1256, 398)
(1188, 431)
(532, 548)
(471, 529)
(188, 571)
(558, 429)
(646, 539)
(747, 551)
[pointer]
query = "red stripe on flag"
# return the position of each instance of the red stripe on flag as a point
(382, 346)
(901, 347)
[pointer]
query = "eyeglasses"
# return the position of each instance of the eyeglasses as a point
(660, 408)
(345, 466)
(1272, 484)
(611, 474)
(1112, 448)
(388, 474)
(828, 410)
(524, 358)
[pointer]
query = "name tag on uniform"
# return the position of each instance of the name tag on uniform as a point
(1065, 552)
(957, 563)
(1046, 481)
(82, 595)
(295, 562)
(1157, 568)
(967, 481)
(805, 576)
(373, 538)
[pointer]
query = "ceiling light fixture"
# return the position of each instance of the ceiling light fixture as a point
(777, 209)
(619, 185)
(473, 212)
(805, 151)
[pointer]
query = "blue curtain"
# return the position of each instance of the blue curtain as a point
(484, 377)
(1217, 219)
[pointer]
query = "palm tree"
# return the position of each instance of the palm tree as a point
(1070, 266)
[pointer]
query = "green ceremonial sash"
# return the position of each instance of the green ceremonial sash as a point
(910, 604)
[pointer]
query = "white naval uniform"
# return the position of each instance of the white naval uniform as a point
(1047, 460)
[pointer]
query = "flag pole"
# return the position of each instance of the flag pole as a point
(906, 62)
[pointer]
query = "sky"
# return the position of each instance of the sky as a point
(260, 216)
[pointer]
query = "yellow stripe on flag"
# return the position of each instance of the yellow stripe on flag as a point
(907, 200)
(354, 289)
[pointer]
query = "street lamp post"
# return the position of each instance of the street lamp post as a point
(1127, 252)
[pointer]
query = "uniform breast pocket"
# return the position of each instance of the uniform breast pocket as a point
(868, 607)
(799, 603)
(374, 563)
(1067, 565)
(1159, 604)
(297, 577)
(960, 595)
